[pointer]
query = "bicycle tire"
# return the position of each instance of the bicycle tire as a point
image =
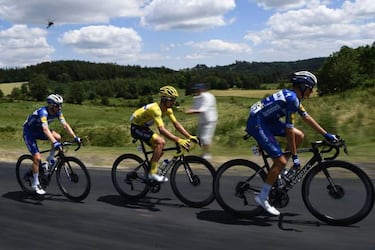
(73, 179)
(350, 196)
(24, 173)
(196, 191)
(128, 170)
(234, 192)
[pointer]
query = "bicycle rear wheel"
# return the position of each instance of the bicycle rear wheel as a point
(192, 181)
(236, 184)
(73, 179)
(129, 176)
(338, 193)
(24, 173)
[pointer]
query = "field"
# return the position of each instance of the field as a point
(105, 129)
(8, 87)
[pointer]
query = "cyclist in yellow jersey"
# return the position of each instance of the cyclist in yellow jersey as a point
(153, 113)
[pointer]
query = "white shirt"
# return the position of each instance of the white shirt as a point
(205, 104)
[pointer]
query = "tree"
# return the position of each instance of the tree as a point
(39, 87)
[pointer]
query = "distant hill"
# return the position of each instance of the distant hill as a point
(72, 70)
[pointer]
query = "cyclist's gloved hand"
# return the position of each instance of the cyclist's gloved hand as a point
(78, 140)
(296, 162)
(185, 143)
(331, 137)
(57, 145)
(194, 139)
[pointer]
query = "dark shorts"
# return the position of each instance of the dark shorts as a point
(142, 133)
(30, 137)
(264, 133)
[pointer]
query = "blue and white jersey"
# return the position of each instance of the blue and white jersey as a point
(280, 104)
(40, 118)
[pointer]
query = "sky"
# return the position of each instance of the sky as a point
(180, 34)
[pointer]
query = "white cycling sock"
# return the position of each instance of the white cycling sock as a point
(35, 179)
(266, 188)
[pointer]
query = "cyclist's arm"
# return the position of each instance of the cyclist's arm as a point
(66, 125)
(168, 134)
(45, 127)
(181, 129)
(314, 124)
(177, 124)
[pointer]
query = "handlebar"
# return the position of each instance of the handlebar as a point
(68, 143)
(336, 145)
(179, 150)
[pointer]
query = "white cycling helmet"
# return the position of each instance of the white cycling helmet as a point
(55, 99)
(304, 78)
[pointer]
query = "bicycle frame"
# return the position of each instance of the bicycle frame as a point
(178, 155)
(316, 158)
(60, 156)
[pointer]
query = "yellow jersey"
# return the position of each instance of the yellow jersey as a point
(150, 114)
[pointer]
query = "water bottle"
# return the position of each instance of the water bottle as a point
(139, 148)
(164, 165)
(45, 168)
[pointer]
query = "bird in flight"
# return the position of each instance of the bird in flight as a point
(50, 23)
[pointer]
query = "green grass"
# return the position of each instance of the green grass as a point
(8, 87)
(106, 129)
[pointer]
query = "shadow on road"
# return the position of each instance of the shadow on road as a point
(149, 203)
(23, 197)
(264, 220)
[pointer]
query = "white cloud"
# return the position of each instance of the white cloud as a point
(277, 4)
(108, 43)
(20, 46)
(187, 14)
(221, 47)
(68, 11)
(315, 31)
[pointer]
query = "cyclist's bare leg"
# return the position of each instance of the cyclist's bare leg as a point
(299, 136)
(57, 137)
(35, 168)
(277, 166)
(36, 161)
(158, 146)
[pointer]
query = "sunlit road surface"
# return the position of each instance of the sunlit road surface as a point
(106, 221)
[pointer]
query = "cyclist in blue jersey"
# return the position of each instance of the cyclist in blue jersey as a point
(264, 124)
(36, 127)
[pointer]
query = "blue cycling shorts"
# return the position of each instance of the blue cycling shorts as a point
(30, 137)
(264, 133)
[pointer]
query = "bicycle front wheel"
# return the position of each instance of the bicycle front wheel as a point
(73, 179)
(129, 176)
(338, 193)
(192, 181)
(237, 182)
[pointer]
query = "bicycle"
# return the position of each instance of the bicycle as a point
(334, 191)
(72, 176)
(191, 177)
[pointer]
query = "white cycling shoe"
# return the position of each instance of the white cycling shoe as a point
(38, 189)
(264, 203)
(158, 178)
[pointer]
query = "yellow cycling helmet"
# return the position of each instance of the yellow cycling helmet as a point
(168, 91)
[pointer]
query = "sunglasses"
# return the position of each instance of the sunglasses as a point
(170, 99)
(57, 105)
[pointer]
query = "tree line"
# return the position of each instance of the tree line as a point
(79, 80)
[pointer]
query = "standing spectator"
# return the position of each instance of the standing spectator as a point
(204, 104)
